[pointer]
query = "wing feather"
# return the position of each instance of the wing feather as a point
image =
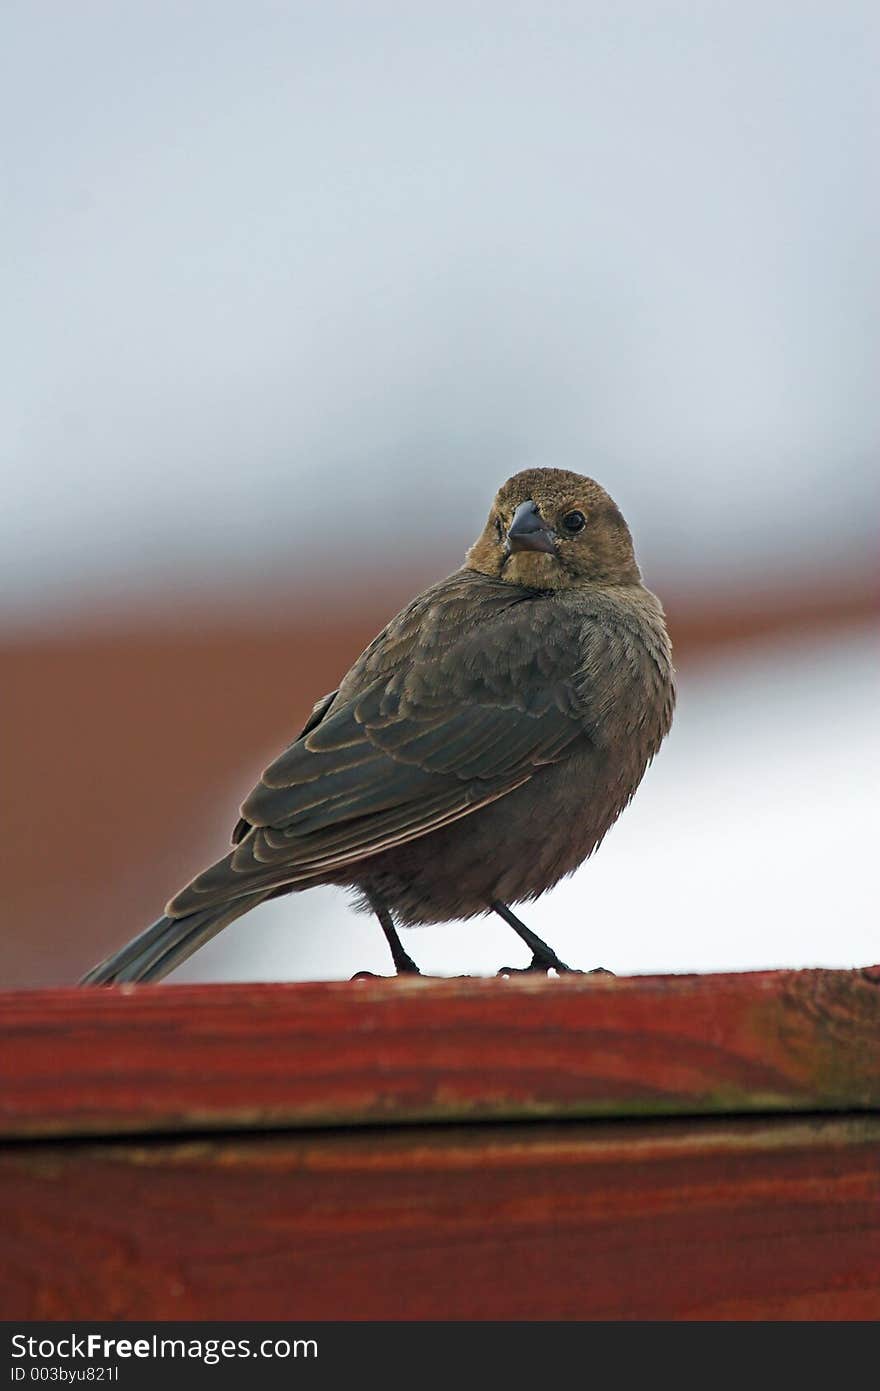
(454, 706)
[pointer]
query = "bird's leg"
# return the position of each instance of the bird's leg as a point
(544, 958)
(403, 963)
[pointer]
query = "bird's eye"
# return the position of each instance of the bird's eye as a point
(574, 521)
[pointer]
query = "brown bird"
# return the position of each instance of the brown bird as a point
(475, 753)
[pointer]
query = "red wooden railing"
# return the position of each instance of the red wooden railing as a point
(677, 1147)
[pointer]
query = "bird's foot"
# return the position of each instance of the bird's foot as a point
(409, 969)
(541, 964)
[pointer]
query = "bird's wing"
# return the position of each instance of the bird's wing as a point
(319, 710)
(461, 699)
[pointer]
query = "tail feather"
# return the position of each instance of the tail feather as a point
(166, 943)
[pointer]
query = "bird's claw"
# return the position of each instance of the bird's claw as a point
(374, 975)
(541, 965)
(538, 964)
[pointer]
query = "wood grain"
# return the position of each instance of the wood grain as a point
(710, 1219)
(197, 1058)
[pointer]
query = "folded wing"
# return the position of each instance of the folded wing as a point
(453, 706)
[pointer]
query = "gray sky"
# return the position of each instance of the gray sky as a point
(271, 269)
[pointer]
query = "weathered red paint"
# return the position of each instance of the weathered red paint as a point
(141, 1059)
(704, 1219)
(328, 1182)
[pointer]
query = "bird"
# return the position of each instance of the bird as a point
(474, 754)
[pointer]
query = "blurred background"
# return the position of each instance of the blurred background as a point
(289, 290)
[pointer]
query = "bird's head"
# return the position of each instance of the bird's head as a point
(551, 529)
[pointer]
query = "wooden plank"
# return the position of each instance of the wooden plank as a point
(148, 1059)
(707, 1219)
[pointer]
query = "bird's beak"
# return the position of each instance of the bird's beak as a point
(529, 532)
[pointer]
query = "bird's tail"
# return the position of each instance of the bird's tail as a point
(168, 942)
